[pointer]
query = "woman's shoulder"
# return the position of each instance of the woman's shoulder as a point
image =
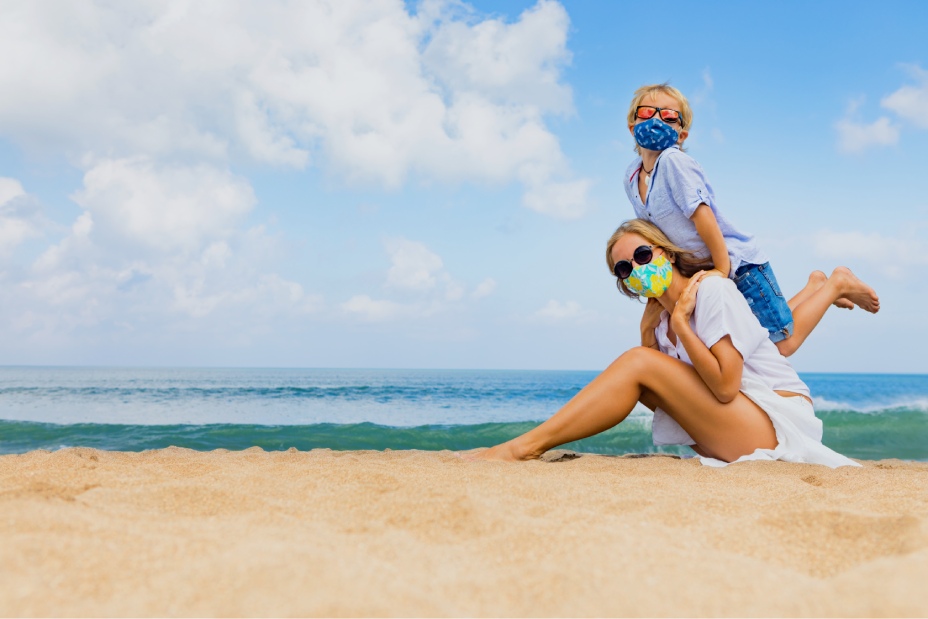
(718, 286)
(722, 310)
(715, 292)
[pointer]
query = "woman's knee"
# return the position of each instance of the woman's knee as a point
(636, 359)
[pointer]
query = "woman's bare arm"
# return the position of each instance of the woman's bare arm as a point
(721, 366)
(649, 321)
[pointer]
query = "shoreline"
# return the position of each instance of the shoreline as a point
(179, 532)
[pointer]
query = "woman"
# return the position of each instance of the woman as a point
(705, 367)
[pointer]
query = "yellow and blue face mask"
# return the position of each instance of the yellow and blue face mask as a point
(651, 280)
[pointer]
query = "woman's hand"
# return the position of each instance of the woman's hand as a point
(652, 315)
(687, 301)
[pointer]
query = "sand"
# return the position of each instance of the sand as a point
(175, 532)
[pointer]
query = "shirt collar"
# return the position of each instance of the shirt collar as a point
(641, 163)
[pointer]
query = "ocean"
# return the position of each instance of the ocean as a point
(868, 416)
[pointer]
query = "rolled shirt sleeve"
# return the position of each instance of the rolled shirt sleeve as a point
(687, 182)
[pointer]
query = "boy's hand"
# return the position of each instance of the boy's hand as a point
(714, 273)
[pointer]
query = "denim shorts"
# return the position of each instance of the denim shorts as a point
(759, 286)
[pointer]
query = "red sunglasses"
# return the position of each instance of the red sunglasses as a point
(644, 112)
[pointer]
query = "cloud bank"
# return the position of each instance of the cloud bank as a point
(364, 89)
(163, 107)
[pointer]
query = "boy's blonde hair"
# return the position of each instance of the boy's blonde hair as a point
(686, 112)
(687, 263)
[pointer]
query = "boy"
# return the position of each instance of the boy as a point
(669, 188)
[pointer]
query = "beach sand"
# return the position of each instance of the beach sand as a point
(409, 533)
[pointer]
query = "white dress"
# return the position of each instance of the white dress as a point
(721, 310)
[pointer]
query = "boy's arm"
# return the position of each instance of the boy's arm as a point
(708, 228)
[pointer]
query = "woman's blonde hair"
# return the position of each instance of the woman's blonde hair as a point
(686, 112)
(687, 263)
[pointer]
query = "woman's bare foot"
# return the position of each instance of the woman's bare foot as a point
(505, 452)
(855, 291)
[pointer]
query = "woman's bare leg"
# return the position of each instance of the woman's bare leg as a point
(809, 311)
(727, 431)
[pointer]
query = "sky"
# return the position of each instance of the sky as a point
(381, 184)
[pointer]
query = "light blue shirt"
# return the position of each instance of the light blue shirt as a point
(678, 187)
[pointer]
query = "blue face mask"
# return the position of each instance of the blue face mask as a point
(655, 134)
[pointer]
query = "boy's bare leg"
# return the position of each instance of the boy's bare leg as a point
(816, 280)
(725, 431)
(808, 312)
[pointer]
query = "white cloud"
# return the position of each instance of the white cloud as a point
(164, 207)
(508, 63)
(264, 142)
(856, 137)
(704, 94)
(555, 311)
(20, 218)
(372, 310)
(10, 188)
(856, 246)
(413, 265)
(705, 114)
(564, 200)
(414, 268)
(484, 288)
(418, 279)
(365, 89)
(453, 290)
(156, 247)
(73, 252)
(911, 102)
(156, 101)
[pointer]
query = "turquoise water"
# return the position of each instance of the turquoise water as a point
(866, 416)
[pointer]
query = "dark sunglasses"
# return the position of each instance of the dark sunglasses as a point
(644, 112)
(642, 255)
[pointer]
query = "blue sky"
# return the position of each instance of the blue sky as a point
(379, 184)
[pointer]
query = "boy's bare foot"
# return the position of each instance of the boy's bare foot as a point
(817, 279)
(844, 304)
(855, 291)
